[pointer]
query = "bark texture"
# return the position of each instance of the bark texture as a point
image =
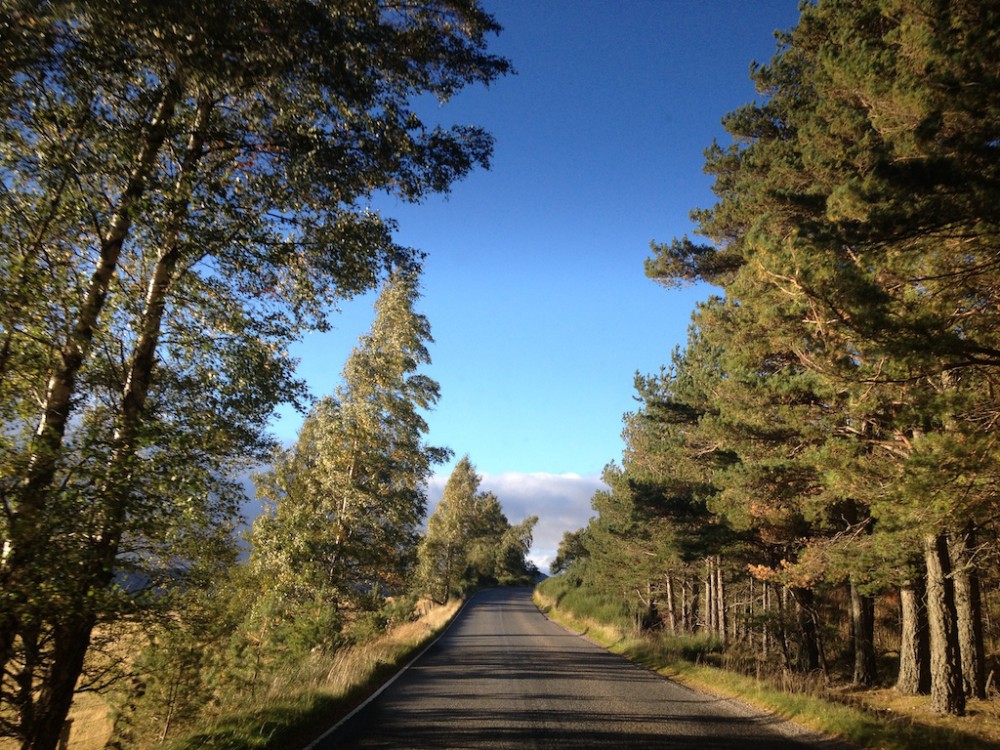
(947, 690)
(914, 649)
(969, 608)
(863, 627)
(73, 630)
(809, 653)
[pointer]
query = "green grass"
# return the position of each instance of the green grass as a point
(278, 724)
(565, 593)
(856, 725)
(683, 659)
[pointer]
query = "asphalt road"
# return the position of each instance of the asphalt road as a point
(504, 676)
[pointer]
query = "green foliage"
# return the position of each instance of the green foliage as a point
(378, 614)
(346, 499)
(400, 609)
(572, 548)
(856, 275)
(836, 407)
(183, 196)
(689, 660)
(469, 541)
(295, 705)
(181, 665)
(274, 725)
(573, 593)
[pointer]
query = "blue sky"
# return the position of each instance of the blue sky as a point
(534, 281)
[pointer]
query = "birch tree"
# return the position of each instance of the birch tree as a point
(444, 550)
(158, 158)
(346, 500)
(469, 541)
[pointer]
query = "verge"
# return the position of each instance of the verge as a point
(857, 726)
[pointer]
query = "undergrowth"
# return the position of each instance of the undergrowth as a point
(700, 662)
(296, 707)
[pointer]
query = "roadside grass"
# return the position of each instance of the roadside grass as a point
(296, 708)
(91, 721)
(91, 725)
(878, 720)
(293, 708)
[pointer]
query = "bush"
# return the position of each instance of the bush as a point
(368, 626)
(400, 609)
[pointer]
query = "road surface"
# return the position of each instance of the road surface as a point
(504, 676)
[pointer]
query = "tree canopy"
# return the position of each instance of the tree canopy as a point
(184, 194)
(347, 498)
(469, 541)
(830, 421)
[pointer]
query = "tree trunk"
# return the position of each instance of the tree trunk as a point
(71, 644)
(671, 616)
(968, 606)
(694, 602)
(720, 604)
(947, 691)
(914, 648)
(708, 614)
(68, 656)
(61, 389)
(28, 526)
(863, 627)
(809, 656)
(786, 654)
(652, 614)
(765, 613)
(686, 618)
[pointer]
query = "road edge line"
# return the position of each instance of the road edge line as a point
(364, 704)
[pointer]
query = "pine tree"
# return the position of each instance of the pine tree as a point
(856, 221)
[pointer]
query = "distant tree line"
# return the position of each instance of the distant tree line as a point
(469, 541)
(813, 478)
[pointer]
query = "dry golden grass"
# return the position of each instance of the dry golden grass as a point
(352, 666)
(982, 719)
(335, 675)
(339, 673)
(91, 722)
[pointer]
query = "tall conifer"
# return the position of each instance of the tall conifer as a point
(856, 220)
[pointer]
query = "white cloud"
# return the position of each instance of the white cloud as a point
(561, 502)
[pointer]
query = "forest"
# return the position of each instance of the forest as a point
(811, 481)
